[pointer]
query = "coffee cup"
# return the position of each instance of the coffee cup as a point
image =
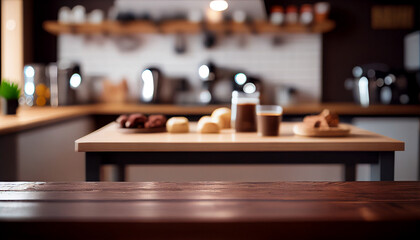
(268, 120)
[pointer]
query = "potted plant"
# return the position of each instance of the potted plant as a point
(9, 93)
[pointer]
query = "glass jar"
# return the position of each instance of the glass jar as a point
(244, 116)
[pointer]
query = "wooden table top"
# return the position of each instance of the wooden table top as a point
(110, 139)
(213, 210)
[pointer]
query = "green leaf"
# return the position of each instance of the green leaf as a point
(9, 90)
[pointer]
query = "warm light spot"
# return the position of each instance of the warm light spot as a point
(219, 5)
(10, 24)
(41, 101)
(40, 89)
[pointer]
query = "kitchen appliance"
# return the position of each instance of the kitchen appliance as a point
(218, 83)
(155, 87)
(412, 64)
(54, 84)
(285, 95)
(245, 83)
(36, 87)
(377, 84)
(151, 79)
(208, 76)
(65, 81)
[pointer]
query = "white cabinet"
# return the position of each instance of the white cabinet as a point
(404, 129)
(47, 153)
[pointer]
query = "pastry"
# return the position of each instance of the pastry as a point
(136, 120)
(222, 117)
(155, 121)
(177, 125)
(207, 125)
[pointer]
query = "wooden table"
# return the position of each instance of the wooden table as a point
(210, 210)
(109, 146)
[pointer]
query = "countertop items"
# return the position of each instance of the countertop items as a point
(325, 124)
(211, 210)
(207, 125)
(303, 129)
(28, 118)
(178, 125)
(141, 123)
(139, 120)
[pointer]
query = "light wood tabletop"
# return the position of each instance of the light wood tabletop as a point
(110, 139)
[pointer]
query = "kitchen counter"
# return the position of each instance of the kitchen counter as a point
(28, 118)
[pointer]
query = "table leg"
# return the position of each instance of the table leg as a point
(350, 172)
(384, 169)
(93, 165)
(121, 172)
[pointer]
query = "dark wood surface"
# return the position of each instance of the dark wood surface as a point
(210, 210)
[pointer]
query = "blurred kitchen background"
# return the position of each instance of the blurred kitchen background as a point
(366, 52)
(312, 65)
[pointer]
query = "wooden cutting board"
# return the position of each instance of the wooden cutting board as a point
(304, 130)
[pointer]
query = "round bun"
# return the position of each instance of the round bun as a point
(207, 125)
(177, 125)
(222, 117)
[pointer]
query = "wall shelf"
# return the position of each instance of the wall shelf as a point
(182, 26)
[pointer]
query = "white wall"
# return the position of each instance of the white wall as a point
(297, 61)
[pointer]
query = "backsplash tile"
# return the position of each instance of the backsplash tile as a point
(296, 62)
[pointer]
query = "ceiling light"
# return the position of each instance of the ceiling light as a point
(219, 5)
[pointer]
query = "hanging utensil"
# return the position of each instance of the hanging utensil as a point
(180, 43)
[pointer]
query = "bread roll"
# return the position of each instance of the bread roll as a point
(207, 125)
(177, 125)
(222, 117)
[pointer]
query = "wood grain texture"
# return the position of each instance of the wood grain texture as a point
(211, 210)
(28, 118)
(108, 139)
